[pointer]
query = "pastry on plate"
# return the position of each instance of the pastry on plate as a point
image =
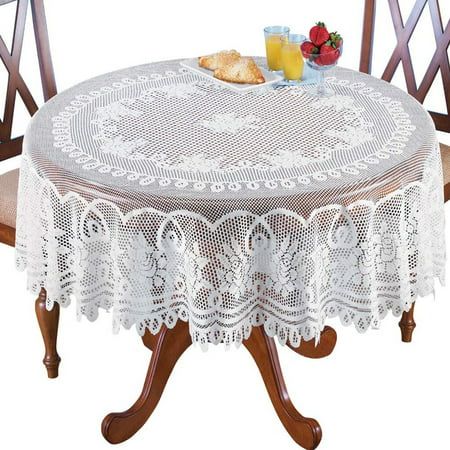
(244, 70)
(217, 60)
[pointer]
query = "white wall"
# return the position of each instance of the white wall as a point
(373, 393)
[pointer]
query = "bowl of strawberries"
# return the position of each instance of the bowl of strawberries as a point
(322, 52)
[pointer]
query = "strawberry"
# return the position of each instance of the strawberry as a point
(308, 49)
(328, 54)
(318, 34)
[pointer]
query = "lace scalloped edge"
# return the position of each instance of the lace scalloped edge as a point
(286, 334)
(310, 329)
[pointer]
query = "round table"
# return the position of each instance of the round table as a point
(159, 194)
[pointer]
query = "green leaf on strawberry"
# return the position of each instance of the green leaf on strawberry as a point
(335, 39)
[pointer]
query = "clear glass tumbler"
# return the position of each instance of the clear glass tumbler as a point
(275, 36)
(292, 58)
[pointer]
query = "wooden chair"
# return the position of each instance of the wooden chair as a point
(439, 62)
(10, 147)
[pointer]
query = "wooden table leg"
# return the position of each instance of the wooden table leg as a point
(407, 324)
(306, 432)
(325, 347)
(48, 323)
(169, 346)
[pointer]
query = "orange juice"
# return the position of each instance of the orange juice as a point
(292, 61)
(273, 51)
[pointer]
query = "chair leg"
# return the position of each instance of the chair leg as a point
(48, 323)
(407, 324)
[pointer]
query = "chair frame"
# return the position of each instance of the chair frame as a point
(10, 147)
(401, 53)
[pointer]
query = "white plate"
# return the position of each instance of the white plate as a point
(270, 77)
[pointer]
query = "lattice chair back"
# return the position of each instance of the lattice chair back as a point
(437, 56)
(12, 146)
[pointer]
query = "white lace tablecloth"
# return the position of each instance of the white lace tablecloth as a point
(159, 195)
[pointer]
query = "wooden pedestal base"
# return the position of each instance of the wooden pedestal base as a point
(170, 344)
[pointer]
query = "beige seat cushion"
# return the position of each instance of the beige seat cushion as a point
(445, 154)
(8, 197)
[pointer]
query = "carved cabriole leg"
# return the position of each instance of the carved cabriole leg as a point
(169, 346)
(306, 432)
(407, 324)
(48, 323)
(150, 340)
(328, 339)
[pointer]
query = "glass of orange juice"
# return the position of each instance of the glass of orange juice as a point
(292, 58)
(275, 36)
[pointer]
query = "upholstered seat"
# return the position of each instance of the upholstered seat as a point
(445, 154)
(8, 197)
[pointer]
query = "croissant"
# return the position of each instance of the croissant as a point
(217, 60)
(244, 70)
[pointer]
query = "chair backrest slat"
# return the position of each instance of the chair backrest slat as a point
(365, 62)
(43, 49)
(439, 61)
(10, 146)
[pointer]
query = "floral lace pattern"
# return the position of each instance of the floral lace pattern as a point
(183, 90)
(352, 136)
(336, 102)
(356, 131)
(278, 269)
(157, 195)
(128, 129)
(198, 162)
(231, 123)
(116, 111)
(125, 149)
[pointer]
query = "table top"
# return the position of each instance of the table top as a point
(161, 194)
(164, 130)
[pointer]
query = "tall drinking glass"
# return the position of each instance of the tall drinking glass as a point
(292, 58)
(275, 36)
